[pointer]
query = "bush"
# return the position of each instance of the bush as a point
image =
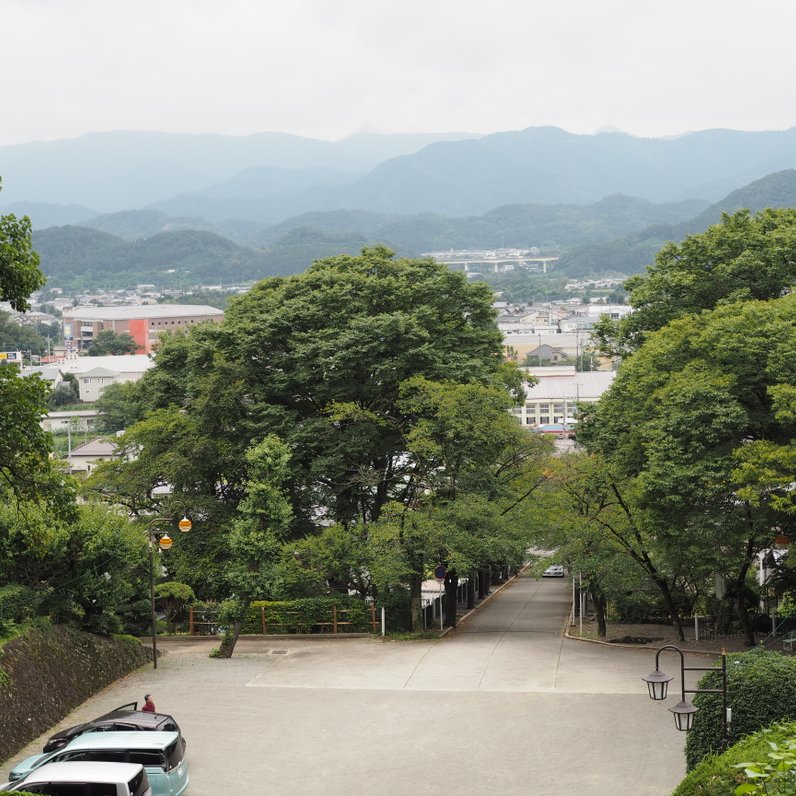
(309, 615)
(397, 605)
(761, 688)
(718, 776)
(18, 602)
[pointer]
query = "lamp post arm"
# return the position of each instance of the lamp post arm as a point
(682, 665)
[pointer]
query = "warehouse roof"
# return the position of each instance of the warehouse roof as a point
(148, 311)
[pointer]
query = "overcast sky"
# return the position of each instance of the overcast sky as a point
(329, 68)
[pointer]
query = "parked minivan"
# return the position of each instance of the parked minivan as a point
(160, 753)
(84, 779)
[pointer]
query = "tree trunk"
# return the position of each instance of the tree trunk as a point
(600, 606)
(471, 591)
(663, 585)
(451, 587)
(229, 640)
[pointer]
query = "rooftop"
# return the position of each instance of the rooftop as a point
(148, 311)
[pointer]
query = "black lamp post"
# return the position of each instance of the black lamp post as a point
(658, 684)
(164, 542)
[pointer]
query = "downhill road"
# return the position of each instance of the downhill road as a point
(505, 705)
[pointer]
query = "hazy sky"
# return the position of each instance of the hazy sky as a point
(328, 68)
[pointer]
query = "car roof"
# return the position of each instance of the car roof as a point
(123, 740)
(142, 717)
(81, 771)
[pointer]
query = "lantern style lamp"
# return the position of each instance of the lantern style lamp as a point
(684, 715)
(683, 711)
(658, 684)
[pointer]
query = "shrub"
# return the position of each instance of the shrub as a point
(761, 688)
(718, 776)
(309, 615)
(397, 606)
(18, 602)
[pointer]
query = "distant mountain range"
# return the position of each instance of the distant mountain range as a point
(630, 253)
(269, 177)
(617, 234)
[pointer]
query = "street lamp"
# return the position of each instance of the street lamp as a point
(658, 685)
(164, 542)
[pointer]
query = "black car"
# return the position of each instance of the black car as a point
(125, 717)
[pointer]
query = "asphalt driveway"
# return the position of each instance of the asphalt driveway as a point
(503, 706)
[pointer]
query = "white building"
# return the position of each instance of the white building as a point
(555, 397)
(94, 374)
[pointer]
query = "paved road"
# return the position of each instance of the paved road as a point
(503, 706)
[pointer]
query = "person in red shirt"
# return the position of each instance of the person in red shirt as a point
(149, 705)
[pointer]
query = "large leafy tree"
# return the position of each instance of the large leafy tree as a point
(745, 257)
(20, 274)
(109, 342)
(680, 413)
(320, 360)
(25, 469)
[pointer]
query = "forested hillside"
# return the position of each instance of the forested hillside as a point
(629, 254)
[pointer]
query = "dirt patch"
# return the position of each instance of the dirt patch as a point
(634, 640)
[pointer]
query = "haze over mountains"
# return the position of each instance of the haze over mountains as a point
(243, 208)
(269, 177)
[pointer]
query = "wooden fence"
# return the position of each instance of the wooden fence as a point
(206, 623)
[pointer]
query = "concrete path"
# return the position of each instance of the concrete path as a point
(504, 705)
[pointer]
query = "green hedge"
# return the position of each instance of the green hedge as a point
(313, 614)
(310, 615)
(761, 689)
(721, 775)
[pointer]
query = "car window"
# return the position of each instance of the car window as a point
(102, 789)
(174, 752)
(168, 726)
(139, 784)
(122, 727)
(147, 758)
(61, 789)
(104, 755)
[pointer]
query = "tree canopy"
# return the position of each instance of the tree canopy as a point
(744, 258)
(693, 401)
(381, 376)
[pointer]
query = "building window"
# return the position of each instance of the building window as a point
(544, 419)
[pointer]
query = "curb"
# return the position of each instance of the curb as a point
(637, 647)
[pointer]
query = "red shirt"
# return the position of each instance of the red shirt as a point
(149, 706)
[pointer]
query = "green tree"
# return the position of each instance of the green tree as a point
(84, 568)
(109, 342)
(319, 360)
(119, 406)
(678, 418)
(745, 257)
(581, 516)
(14, 337)
(67, 392)
(173, 598)
(19, 264)
(256, 536)
(24, 447)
